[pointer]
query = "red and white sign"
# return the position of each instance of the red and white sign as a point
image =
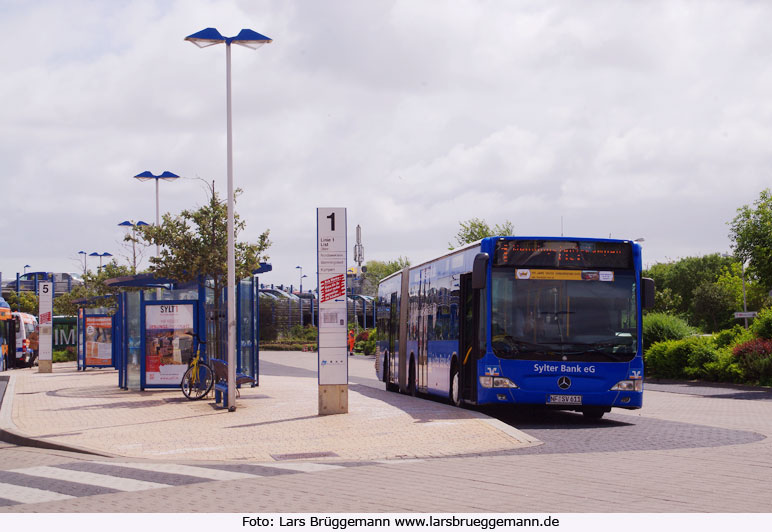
(332, 288)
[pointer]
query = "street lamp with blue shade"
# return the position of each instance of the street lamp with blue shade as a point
(85, 256)
(250, 39)
(166, 176)
(127, 223)
(100, 255)
(246, 37)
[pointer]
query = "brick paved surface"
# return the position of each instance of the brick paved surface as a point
(87, 410)
(683, 452)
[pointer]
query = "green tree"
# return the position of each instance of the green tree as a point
(377, 270)
(751, 235)
(755, 295)
(93, 287)
(714, 304)
(682, 278)
(194, 244)
(23, 302)
(475, 229)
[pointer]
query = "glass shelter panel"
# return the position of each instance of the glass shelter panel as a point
(133, 340)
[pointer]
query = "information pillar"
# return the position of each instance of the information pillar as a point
(333, 315)
(46, 326)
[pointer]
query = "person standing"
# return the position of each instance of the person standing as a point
(351, 342)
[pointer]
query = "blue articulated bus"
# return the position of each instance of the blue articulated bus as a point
(525, 320)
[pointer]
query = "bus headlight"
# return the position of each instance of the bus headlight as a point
(628, 386)
(496, 382)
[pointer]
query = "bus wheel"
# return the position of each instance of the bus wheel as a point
(454, 392)
(387, 376)
(411, 387)
(593, 413)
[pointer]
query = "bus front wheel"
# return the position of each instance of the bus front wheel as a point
(390, 387)
(593, 413)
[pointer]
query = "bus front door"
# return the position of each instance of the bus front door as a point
(469, 338)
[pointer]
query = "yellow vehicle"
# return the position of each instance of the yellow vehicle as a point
(6, 322)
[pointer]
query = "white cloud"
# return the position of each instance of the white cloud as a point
(633, 119)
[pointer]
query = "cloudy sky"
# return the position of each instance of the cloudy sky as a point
(630, 119)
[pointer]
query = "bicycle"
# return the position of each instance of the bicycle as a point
(198, 380)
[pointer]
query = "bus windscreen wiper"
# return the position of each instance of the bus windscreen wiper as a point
(519, 346)
(582, 348)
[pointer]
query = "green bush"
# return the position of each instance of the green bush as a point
(288, 347)
(301, 334)
(658, 327)
(762, 324)
(678, 359)
(755, 360)
(732, 337)
(724, 368)
(65, 355)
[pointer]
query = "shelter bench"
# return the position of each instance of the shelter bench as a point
(220, 368)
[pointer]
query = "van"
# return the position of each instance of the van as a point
(26, 328)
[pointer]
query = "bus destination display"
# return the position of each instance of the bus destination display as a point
(563, 254)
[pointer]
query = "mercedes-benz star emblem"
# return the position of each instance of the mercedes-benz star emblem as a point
(564, 383)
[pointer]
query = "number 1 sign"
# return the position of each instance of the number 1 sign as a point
(333, 316)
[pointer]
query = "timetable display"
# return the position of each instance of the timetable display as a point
(572, 254)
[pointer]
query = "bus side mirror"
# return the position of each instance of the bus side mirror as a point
(479, 271)
(647, 293)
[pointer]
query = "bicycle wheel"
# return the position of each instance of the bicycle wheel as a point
(197, 381)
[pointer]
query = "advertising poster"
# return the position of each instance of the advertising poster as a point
(168, 342)
(99, 340)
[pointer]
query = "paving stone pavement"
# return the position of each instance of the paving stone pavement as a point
(64, 481)
(277, 420)
(683, 452)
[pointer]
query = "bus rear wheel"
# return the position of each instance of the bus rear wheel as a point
(411, 387)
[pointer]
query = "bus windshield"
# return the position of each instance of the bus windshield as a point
(564, 315)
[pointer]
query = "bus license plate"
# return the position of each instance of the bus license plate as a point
(564, 400)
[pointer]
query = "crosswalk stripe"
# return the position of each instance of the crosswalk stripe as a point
(95, 479)
(193, 471)
(23, 494)
(303, 467)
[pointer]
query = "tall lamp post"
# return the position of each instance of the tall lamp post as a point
(166, 176)
(25, 268)
(85, 256)
(100, 255)
(301, 292)
(250, 39)
(133, 226)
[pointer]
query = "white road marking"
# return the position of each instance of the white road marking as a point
(193, 471)
(303, 467)
(23, 494)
